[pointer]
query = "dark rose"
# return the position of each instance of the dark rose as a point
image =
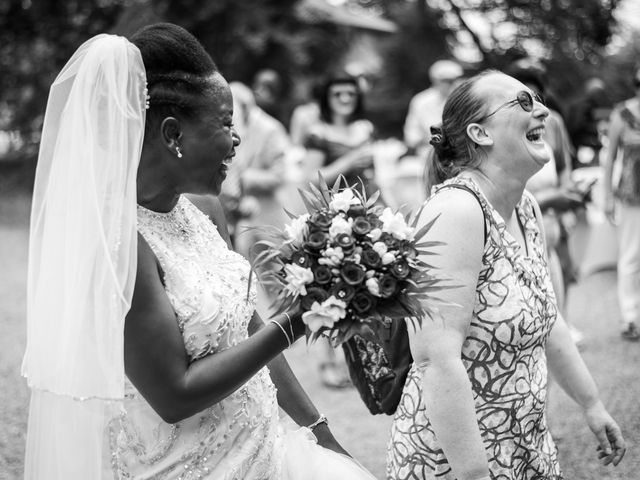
(301, 259)
(320, 221)
(389, 241)
(314, 294)
(355, 210)
(322, 274)
(362, 302)
(316, 240)
(400, 269)
(374, 221)
(407, 250)
(361, 226)
(345, 241)
(388, 286)
(352, 273)
(371, 258)
(342, 291)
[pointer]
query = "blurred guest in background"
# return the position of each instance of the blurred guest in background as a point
(425, 109)
(305, 116)
(339, 143)
(257, 172)
(583, 117)
(624, 139)
(267, 87)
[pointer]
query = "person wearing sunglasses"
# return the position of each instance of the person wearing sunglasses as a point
(473, 405)
(624, 137)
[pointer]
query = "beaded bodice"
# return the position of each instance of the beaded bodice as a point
(207, 286)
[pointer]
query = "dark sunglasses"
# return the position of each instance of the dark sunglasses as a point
(340, 93)
(523, 98)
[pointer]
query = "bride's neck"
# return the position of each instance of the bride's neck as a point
(155, 188)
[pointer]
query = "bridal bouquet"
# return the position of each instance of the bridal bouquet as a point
(348, 264)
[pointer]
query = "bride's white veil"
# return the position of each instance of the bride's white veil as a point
(82, 258)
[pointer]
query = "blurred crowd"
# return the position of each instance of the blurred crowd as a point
(330, 133)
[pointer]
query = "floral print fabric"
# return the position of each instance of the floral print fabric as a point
(504, 355)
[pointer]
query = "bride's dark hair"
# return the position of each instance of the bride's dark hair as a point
(178, 69)
(453, 150)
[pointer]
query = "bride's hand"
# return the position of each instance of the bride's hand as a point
(326, 439)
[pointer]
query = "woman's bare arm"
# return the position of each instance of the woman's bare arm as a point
(437, 345)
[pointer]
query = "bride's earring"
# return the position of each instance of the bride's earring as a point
(178, 152)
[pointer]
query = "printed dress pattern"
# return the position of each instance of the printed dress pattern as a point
(504, 356)
(207, 285)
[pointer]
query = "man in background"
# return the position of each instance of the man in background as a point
(425, 109)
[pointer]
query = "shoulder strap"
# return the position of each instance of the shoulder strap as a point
(472, 192)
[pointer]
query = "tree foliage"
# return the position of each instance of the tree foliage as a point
(36, 39)
(38, 36)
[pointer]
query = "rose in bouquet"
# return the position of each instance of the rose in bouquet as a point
(348, 264)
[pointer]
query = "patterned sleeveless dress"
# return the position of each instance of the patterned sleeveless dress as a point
(504, 355)
(236, 438)
(628, 190)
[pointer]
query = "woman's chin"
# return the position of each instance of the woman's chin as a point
(540, 153)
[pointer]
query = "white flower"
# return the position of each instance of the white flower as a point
(340, 225)
(332, 257)
(380, 248)
(373, 287)
(374, 234)
(395, 225)
(297, 229)
(369, 274)
(297, 277)
(388, 258)
(324, 314)
(343, 200)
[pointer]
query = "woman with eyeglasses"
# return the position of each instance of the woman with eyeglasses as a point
(473, 405)
(624, 137)
(339, 144)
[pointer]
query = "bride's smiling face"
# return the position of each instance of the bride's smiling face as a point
(209, 142)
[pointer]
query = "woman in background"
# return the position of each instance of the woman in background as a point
(624, 139)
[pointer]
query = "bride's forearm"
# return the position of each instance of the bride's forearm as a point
(451, 409)
(292, 398)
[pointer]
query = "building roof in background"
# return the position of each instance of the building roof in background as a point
(321, 11)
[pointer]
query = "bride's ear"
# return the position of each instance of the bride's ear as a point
(170, 134)
(479, 134)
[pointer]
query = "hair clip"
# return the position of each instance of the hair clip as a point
(437, 136)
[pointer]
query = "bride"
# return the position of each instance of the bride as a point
(145, 356)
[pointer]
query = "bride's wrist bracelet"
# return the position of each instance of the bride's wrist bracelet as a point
(293, 337)
(321, 419)
(284, 332)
